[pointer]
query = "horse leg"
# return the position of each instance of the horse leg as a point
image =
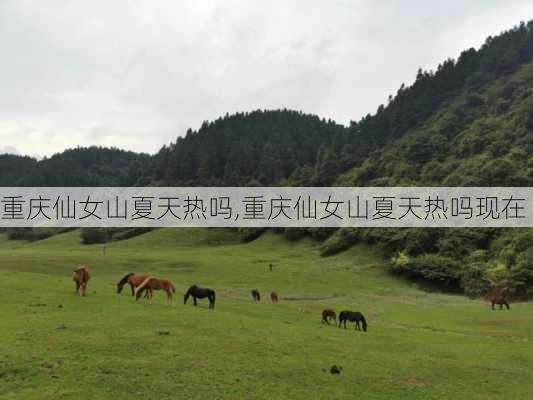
(507, 305)
(132, 289)
(77, 287)
(194, 301)
(493, 305)
(83, 288)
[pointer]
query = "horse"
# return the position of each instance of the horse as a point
(353, 316)
(256, 295)
(134, 281)
(501, 301)
(150, 283)
(81, 276)
(200, 293)
(328, 314)
(497, 296)
(274, 297)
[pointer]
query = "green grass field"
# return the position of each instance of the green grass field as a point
(419, 345)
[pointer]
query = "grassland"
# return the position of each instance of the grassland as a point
(420, 345)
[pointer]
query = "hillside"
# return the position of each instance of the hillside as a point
(419, 344)
(468, 123)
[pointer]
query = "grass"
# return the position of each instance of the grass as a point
(419, 345)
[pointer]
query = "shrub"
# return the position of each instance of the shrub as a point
(341, 240)
(129, 233)
(95, 235)
(434, 268)
(250, 234)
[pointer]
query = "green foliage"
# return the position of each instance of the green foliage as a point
(433, 268)
(95, 235)
(341, 240)
(469, 123)
(32, 234)
(250, 234)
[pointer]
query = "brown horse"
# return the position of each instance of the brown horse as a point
(328, 315)
(150, 283)
(81, 276)
(256, 295)
(134, 281)
(497, 296)
(274, 297)
(500, 300)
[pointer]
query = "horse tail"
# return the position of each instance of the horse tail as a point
(141, 287)
(363, 320)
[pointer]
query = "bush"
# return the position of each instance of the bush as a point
(434, 268)
(129, 233)
(474, 281)
(250, 234)
(341, 240)
(32, 234)
(95, 235)
(294, 234)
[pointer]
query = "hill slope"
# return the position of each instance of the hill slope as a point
(468, 123)
(419, 345)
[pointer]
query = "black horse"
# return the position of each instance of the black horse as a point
(200, 293)
(353, 316)
(256, 295)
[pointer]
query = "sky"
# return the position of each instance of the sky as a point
(137, 74)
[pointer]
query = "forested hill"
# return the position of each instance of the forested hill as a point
(256, 148)
(473, 114)
(93, 166)
(260, 147)
(468, 123)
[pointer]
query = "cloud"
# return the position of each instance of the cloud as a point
(9, 150)
(136, 74)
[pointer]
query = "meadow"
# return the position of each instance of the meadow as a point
(420, 344)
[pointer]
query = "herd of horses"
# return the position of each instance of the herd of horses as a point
(146, 284)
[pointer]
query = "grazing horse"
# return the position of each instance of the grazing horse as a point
(501, 301)
(81, 276)
(497, 296)
(353, 317)
(150, 283)
(328, 315)
(274, 297)
(134, 281)
(200, 293)
(255, 295)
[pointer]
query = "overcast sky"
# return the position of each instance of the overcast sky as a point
(137, 74)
